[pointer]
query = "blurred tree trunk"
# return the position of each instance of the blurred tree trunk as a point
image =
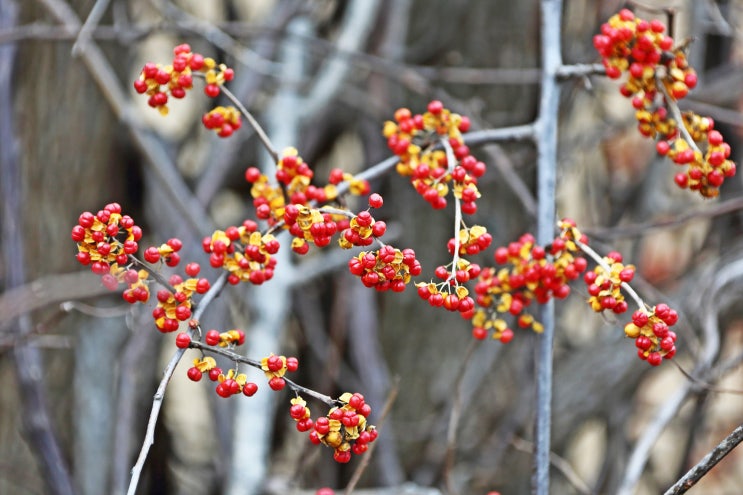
(67, 142)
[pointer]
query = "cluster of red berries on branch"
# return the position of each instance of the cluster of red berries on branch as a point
(650, 325)
(532, 273)
(345, 428)
(222, 120)
(107, 242)
(604, 286)
(650, 329)
(387, 268)
(160, 82)
(658, 76)
(245, 253)
(416, 140)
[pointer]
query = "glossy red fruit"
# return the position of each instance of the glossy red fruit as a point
(182, 340)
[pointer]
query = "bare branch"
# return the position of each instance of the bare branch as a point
(708, 462)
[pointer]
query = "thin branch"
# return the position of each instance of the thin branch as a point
(253, 123)
(157, 401)
(708, 462)
(673, 107)
(95, 16)
(239, 358)
(600, 261)
(709, 210)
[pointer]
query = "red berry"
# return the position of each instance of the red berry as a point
(654, 358)
(506, 336)
(214, 374)
(151, 255)
(435, 107)
(250, 389)
(276, 383)
(194, 374)
(182, 340)
(211, 337)
(292, 364)
(376, 201)
(192, 269)
(211, 90)
(223, 389)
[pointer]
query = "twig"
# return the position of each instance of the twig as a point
(83, 36)
(149, 438)
(546, 140)
(599, 260)
(239, 358)
(638, 229)
(253, 123)
(451, 161)
(676, 113)
(708, 462)
(705, 385)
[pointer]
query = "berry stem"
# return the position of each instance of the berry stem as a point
(253, 123)
(156, 275)
(251, 120)
(451, 160)
(600, 261)
(676, 113)
(149, 438)
(237, 358)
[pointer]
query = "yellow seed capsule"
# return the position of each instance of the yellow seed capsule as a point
(631, 330)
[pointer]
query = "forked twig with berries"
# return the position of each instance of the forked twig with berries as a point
(431, 152)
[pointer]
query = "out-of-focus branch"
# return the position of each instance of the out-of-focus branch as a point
(358, 22)
(169, 180)
(28, 363)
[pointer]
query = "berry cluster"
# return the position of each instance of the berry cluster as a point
(362, 229)
(275, 367)
(534, 273)
(309, 225)
(175, 307)
(105, 242)
(386, 268)
(244, 252)
(229, 384)
(449, 294)
(222, 120)
(604, 286)
(158, 81)
(471, 241)
(658, 76)
(167, 252)
(414, 139)
(345, 428)
(653, 338)
(706, 171)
